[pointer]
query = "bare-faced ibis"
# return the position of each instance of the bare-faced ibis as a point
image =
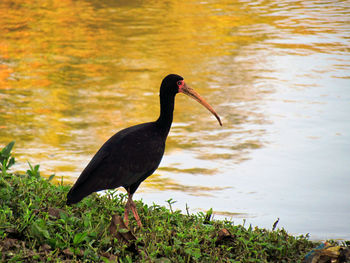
(133, 154)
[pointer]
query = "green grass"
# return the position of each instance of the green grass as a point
(37, 226)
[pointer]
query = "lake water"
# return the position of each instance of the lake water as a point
(72, 73)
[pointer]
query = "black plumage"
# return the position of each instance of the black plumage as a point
(133, 154)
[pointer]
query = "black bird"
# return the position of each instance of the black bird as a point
(133, 154)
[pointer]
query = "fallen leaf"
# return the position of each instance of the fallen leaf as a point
(123, 234)
(54, 212)
(110, 256)
(67, 252)
(45, 247)
(223, 235)
(10, 243)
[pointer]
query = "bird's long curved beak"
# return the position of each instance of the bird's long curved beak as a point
(194, 95)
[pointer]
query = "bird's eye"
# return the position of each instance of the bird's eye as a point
(179, 83)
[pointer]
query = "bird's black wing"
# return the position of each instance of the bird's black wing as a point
(94, 164)
(126, 158)
(79, 191)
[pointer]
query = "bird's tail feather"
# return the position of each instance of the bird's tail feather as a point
(78, 192)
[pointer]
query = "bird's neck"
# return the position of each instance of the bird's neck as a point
(166, 113)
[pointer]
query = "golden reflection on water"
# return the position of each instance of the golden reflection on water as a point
(76, 72)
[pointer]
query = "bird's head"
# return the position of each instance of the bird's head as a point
(173, 84)
(170, 85)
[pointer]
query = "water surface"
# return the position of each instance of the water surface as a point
(72, 73)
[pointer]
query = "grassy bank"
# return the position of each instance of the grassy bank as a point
(36, 225)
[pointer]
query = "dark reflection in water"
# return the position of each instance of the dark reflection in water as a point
(72, 73)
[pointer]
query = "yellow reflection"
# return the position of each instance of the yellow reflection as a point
(72, 73)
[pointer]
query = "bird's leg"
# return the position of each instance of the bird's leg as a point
(130, 204)
(134, 211)
(127, 211)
